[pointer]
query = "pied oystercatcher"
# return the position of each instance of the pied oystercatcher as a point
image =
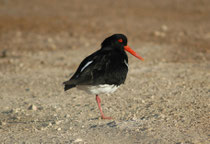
(103, 71)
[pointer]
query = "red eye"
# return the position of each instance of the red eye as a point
(120, 40)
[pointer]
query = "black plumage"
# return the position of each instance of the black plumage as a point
(108, 65)
(104, 70)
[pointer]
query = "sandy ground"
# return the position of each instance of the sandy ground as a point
(165, 98)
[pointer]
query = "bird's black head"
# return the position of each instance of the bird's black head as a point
(116, 40)
(119, 42)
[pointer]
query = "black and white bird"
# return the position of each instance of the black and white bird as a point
(103, 71)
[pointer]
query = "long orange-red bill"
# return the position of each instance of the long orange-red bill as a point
(127, 48)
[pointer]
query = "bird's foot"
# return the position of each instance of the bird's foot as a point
(103, 117)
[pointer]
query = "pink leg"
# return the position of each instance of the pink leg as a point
(98, 100)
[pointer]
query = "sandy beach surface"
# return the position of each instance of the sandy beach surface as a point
(165, 99)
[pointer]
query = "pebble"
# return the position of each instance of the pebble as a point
(67, 116)
(49, 124)
(134, 118)
(58, 129)
(16, 118)
(51, 43)
(21, 65)
(15, 110)
(162, 116)
(164, 28)
(32, 107)
(78, 140)
(159, 34)
(43, 128)
(58, 122)
(2, 123)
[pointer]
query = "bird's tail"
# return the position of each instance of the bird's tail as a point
(68, 86)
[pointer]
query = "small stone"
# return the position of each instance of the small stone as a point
(2, 123)
(53, 46)
(58, 122)
(21, 65)
(50, 40)
(134, 118)
(51, 43)
(43, 128)
(15, 110)
(162, 116)
(159, 34)
(32, 107)
(78, 140)
(67, 116)
(164, 28)
(58, 129)
(17, 117)
(50, 124)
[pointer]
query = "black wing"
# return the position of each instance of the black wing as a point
(102, 67)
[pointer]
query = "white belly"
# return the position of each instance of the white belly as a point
(99, 89)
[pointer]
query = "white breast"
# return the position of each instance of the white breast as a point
(99, 89)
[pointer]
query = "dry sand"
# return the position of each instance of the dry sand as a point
(165, 98)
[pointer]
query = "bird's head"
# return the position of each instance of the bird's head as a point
(119, 41)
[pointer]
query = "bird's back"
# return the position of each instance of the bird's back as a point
(107, 66)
